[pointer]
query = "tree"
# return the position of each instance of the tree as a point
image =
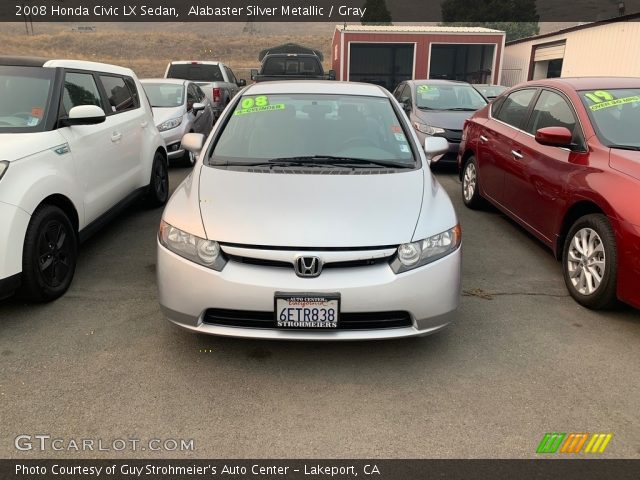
(514, 30)
(506, 11)
(376, 13)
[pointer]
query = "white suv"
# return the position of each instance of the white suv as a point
(78, 144)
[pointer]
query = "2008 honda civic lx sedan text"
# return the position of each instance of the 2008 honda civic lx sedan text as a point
(311, 214)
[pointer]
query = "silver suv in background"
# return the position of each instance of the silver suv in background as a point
(215, 78)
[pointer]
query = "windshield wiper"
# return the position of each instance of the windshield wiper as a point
(462, 109)
(427, 108)
(625, 147)
(342, 161)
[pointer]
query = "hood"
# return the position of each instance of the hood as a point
(443, 118)
(625, 161)
(21, 145)
(162, 114)
(297, 210)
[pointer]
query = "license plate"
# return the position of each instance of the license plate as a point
(303, 310)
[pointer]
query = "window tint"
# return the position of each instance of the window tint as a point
(232, 77)
(192, 96)
(551, 110)
(80, 89)
(292, 66)
(134, 91)
(514, 109)
(200, 94)
(197, 72)
(118, 94)
(405, 94)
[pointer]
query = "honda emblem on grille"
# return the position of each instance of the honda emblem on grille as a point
(307, 266)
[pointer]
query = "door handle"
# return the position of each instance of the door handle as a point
(144, 124)
(483, 138)
(517, 154)
(116, 136)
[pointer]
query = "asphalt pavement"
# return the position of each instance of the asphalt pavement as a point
(521, 360)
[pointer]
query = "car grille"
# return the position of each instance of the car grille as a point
(275, 263)
(454, 136)
(347, 321)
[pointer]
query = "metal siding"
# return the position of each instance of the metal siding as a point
(423, 42)
(605, 50)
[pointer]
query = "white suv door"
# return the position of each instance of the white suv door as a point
(95, 153)
(129, 121)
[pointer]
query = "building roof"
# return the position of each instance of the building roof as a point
(414, 29)
(623, 18)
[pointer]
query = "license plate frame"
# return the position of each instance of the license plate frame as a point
(306, 300)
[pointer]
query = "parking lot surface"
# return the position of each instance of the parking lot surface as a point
(522, 359)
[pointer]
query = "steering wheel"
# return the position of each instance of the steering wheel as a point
(354, 142)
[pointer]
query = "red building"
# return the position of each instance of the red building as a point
(387, 55)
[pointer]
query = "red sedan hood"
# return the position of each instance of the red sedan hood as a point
(625, 161)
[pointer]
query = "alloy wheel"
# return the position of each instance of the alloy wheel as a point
(469, 181)
(586, 262)
(54, 252)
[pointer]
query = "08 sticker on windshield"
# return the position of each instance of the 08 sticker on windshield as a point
(257, 104)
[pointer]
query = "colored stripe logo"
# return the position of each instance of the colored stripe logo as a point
(574, 442)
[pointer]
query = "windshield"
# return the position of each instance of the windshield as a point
(300, 126)
(615, 115)
(490, 91)
(164, 95)
(448, 97)
(24, 98)
(197, 72)
(284, 65)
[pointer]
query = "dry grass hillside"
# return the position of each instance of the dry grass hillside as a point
(148, 47)
(148, 50)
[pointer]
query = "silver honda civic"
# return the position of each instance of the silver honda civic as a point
(311, 214)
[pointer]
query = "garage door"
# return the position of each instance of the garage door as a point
(385, 64)
(552, 52)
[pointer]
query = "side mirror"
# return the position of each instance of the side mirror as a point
(84, 115)
(332, 74)
(198, 107)
(554, 136)
(434, 147)
(242, 82)
(254, 73)
(193, 142)
(406, 105)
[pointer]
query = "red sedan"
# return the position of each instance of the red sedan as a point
(562, 158)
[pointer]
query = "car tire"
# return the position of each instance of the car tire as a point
(49, 255)
(470, 185)
(188, 159)
(590, 262)
(158, 189)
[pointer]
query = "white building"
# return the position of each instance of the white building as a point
(609, 48)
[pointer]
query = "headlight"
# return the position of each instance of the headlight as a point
(203, 252)
(169, 124)
(428, 129)
(416, 254)
(3, 168)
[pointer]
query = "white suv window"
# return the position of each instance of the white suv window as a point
(118, 93)
(80, 89)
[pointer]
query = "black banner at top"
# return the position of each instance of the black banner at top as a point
(337, 11)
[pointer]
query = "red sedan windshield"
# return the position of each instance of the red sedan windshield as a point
(615, 114)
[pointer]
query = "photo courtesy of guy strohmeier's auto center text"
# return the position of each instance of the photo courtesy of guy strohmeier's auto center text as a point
(319, 239)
